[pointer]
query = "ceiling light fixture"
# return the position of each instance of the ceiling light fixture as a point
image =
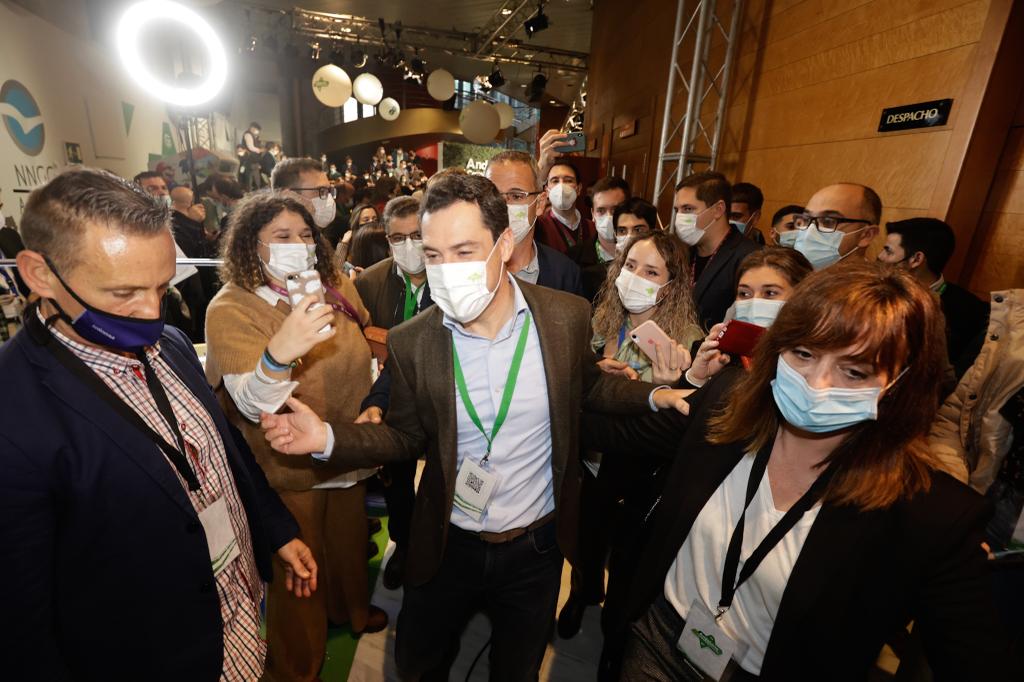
(537, 23)
(496, 79)
(537, 87)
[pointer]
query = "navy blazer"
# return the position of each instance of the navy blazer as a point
(105, 572)
(557, 271)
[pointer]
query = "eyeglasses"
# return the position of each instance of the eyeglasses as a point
(825, 223)
(638, 230)
(399, 239)
(517, 196)
(321, 192)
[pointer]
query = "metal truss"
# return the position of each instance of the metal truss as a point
(490, 44)
(695, 137)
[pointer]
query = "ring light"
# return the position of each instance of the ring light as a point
(130, 28)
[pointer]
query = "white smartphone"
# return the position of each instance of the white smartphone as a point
(306, 283)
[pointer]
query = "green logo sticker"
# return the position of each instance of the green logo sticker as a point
(650, 291)
(707, 641)
(475, 277)
(321, 83)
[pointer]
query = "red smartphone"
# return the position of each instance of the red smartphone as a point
(739, 338)
(649, 335)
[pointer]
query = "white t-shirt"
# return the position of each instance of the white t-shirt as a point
(697, 571)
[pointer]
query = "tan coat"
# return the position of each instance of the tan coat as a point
(333, 378)
(969, 435)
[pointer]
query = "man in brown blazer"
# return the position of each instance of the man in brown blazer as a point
(489, 383)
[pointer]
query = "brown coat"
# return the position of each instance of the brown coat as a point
(422, 416)
(333, 378)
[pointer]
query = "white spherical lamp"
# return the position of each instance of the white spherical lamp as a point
(331, 85)
(441, 85)
(388, 109)
(480, 122)
(367, 89)
(506, 114)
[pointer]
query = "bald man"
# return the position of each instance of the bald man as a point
(840, 222)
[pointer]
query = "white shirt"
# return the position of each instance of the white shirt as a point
(576, 218)
(254, 392)
(531, 272)
(697, 571)
(521, 453)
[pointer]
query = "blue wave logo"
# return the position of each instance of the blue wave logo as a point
(22, 118)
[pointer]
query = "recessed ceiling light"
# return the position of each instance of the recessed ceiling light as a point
(551, 101)
(505, 11)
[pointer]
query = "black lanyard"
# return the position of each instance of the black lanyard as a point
(77, 367)
(732, 556)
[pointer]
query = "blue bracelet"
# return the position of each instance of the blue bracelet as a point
(273, 364)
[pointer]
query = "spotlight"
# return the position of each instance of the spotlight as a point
(537, 23)
(496, 79)
(359, 58)
(537, 87)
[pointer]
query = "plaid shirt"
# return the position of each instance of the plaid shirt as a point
(238, 585)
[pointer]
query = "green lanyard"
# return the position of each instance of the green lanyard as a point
(506, 398)
(411, 295)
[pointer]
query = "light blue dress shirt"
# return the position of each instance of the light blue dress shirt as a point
(521, 454)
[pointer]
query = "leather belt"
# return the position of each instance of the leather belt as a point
(510, 535)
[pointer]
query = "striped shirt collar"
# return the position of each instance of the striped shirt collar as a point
(98, 358)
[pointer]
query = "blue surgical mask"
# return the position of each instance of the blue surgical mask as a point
(107, 329)
(788, 239)
(759, 311)
(739, 225)
(821, 248)
(822, 410)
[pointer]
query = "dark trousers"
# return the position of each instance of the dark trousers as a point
(651, 654)
(400, 495)
(515, 584)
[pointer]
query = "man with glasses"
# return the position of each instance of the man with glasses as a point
(717, 248)
(395, 290)
(307, 179)
(517, 178)
(840, 220)
(563, 227)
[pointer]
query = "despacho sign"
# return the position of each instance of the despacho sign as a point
(909, 116)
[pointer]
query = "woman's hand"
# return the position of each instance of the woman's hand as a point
(613, 366)
(300, 331)
(710, 360)
(668, 366)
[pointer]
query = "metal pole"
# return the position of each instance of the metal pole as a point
(730, 52)
(694, 100)
(186, 122)
(666, 117)
(494, 35)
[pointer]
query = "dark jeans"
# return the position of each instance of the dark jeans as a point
(516, 584)
(651, 653)
(400, 495)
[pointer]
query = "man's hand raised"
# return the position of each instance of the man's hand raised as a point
(298, 432)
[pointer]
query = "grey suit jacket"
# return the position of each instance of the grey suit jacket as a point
(422, 417)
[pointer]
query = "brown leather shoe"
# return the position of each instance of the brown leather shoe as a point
(376, 620)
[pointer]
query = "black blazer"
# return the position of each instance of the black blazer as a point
(715, 289)
(860, 577)
(557, 271)
(105, 572)
(966, 317)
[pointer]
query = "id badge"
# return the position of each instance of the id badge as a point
(474, 487)
(704, 642)
(220, 536)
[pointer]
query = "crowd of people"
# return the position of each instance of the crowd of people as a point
(764, 455)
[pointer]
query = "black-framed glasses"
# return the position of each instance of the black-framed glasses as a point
(517, 196)
(825, 223)
(399, 239)
(321, 192)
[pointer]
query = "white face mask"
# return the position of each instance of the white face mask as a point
(562, 196)
(409, 256)
(636, 293)
(287, 259)
(620, 243)
(605, 228)
(460, 289)
(164, 201)
(686, 227)
(822, 248)
(759, 311)
(519, 220)
(324, 210)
